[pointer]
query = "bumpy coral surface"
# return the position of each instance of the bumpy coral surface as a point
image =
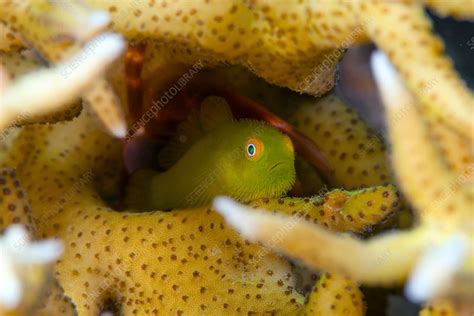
(190, 261)
(334, 295)
(52, 39)
(441, 197)
(355, 153)
(184, 261)
(294, 44)
(297, 44)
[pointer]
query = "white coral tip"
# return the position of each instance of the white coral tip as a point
(236, 214)
(16, 252)
(436, 268)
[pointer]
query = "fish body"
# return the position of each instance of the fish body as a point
(211, 155)
(243, 159)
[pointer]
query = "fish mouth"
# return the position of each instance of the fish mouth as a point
(276, 165)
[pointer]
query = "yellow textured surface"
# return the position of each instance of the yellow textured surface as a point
(461, 9)
(334, 295)
(54, 302)
(339, 210)
(52, 30)
(175, 261)
(228, 31)
(302, 41)
(267, 39)
(439, 308)
(9, 39)
(436, 191)
(15, 208)
(442, 199)
(457, 151)
(354, 151)
(291, 44)
(404, 33)
(17, 64)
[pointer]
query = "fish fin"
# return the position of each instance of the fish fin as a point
(213, 112)
(187, 133)
(139, 189)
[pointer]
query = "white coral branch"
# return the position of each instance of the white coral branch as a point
(47, 89)
(436, 269)
(16, 253)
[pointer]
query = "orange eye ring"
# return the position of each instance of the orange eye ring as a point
(253, 149)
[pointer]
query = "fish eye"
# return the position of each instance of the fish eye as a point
(251, 150)
(254, 149)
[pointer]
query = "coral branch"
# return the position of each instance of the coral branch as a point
(24, 269)
(19, 64)
(9, 39)
(48, 89)
(334, 295)
(461, 9)
(404, 33)
(58, 32)
(70, 20)
(354, 151)
(430, 191)
(384, 260)
(15, 208)
(337, 210)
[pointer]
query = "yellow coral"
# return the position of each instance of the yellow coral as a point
(404, 33)
(28, 99)
(238, 34)
(9, 39)
(58, 31)
(297, 44)
(444, 211)
(339, 210)
(175, 261)
(439, 308)
(18, 64)
(292, 44)
(334, 295)
(457, 8)
(355, 153)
